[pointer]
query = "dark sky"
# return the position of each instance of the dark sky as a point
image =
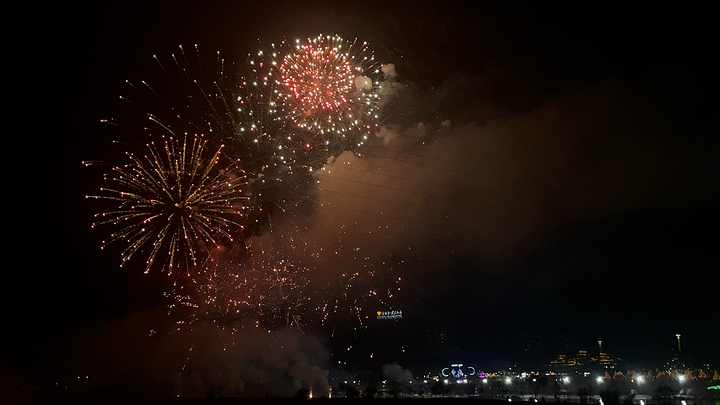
(543, 169)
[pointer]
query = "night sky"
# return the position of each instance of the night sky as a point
(542, 170)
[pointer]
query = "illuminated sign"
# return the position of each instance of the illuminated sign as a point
(389, 314)
(456, 371)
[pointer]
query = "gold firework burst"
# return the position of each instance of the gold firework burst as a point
(176, 203)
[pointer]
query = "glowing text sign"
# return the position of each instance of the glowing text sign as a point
(389, 314)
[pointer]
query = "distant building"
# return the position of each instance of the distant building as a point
(581, 362)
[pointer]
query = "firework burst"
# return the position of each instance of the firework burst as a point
(328, 88)
(323, 90)
(177, 202)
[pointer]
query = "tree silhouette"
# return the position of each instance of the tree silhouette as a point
(371, 390)
(540, 385)
(584, 395)
(610, 397)
(664, 394)
(438, 388)
(556, 390)
(348, 390)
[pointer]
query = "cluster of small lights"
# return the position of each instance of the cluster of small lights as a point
(223, 293)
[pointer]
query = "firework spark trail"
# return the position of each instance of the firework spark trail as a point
(358, 293)
(175, 200)
(266, 285)
(201, 95)
(283, 279)
(265, 120)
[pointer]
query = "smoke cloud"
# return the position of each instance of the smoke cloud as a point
(129, 359)
(397, 374)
